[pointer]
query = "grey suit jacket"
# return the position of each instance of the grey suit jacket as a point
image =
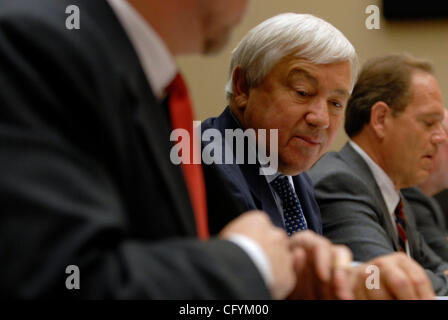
(354, 213)
(430, 220)
(442, 199)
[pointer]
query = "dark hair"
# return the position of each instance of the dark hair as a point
(386, 78)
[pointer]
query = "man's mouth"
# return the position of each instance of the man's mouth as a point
(310, 141)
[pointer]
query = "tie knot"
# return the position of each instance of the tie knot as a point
(281, 184)
(399, 211)
(177, 86)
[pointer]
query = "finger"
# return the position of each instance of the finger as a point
(305, 239)
(396, 283)
(299, 256)
(316, 247)
(359, 284)
(313, 283)
(342, 284)
(299, 263)
(307, 281)
(379, 294)
(342, 256)
(322, 260)
(419, 279)
(327, 257)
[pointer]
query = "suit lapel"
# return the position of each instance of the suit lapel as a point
(411, 227)
(262, 193)
(438, 214)
(154, 129)
(360, 166)
(313, 218)
(249, 173)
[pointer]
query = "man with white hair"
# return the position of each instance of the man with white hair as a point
(428, 213)
(294, 73)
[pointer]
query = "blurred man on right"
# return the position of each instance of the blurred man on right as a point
(428, 213)
(393, 120)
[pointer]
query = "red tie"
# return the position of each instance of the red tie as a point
(182, 117)
(400, 220)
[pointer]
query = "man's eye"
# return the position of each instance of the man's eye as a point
(337, 104)
(303, 93)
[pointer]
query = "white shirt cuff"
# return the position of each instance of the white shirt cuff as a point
(257, 255)
(355, 263)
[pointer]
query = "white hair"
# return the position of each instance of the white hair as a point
(308, 36)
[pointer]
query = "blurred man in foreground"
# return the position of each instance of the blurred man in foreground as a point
(87, 181)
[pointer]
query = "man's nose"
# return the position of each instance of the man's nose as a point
(318, 114)
(440, 136)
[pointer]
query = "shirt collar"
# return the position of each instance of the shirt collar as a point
(158, 63)
(390, 195)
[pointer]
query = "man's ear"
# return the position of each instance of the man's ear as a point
(379, 116)
(240, 88)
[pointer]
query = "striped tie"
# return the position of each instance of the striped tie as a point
(400, 220)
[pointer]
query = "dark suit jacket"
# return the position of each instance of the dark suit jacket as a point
(430, 220)
(85, 173)
(252, 189)
(354, 213)
(442, 199)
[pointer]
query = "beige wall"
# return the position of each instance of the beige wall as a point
(207, 76)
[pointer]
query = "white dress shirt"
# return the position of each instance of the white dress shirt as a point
(157, 61)
(390, 195)
(160, 69)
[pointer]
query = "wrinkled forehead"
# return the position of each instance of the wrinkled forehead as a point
(425, 95)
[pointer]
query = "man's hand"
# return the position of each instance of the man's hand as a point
(400, 278)
(320, 268)
(274, 241)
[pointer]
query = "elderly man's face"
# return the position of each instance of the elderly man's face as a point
(413, 136)
(305, 102)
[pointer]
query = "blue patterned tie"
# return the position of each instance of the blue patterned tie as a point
(292, 210)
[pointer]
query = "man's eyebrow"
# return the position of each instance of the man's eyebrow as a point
(303, 74)
(437, 115)
(342, 92)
